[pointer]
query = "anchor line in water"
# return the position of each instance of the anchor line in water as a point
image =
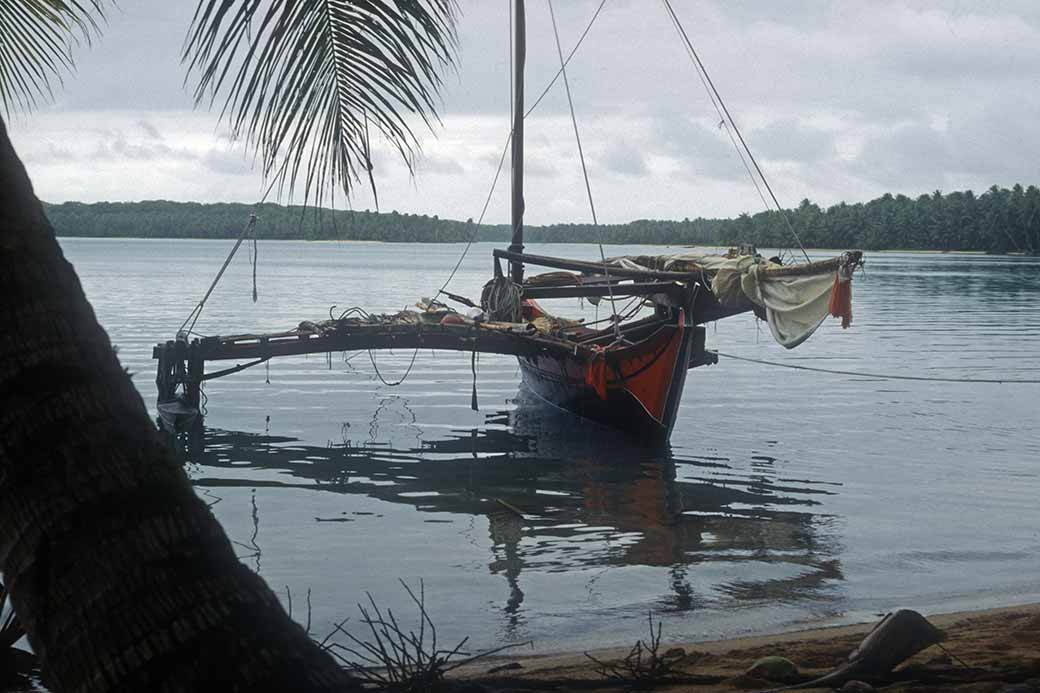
(884, 376)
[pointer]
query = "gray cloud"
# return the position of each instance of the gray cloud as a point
(701, 149)
(789, 139)
(839, 100)
(52, 153)
(624, 159)
(150, 129)
(991, 146)
(537, 166)
(117, 146)
(136, 62)
(913, 152)
(228, 162)
(437, 164)
(491, 159)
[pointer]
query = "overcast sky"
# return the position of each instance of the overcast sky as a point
(838, 100)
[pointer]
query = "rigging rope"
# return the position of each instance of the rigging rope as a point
(727, 118)
(196, 312)
(882, 376)
(509, 137)
(723, 125)
(480, 220)
(256, 256)
(584, 170)
(567, 61)
(372, 358)
(193, 316)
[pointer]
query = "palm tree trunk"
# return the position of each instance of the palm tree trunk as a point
(120, 575)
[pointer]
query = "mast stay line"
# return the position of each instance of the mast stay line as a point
(509, 139)
(727, 118)
(584, 171)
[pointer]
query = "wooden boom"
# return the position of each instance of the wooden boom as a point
(597, 267)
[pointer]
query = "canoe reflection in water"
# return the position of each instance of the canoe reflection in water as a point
(561, 499)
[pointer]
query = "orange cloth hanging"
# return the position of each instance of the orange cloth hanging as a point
(596, 375)
(841, 300)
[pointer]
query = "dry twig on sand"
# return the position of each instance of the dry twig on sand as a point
(645, 663)
(396, 659)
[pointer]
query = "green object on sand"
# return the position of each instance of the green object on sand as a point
(774, 668)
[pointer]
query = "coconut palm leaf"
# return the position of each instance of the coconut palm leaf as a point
(302, 80)
(36, 42)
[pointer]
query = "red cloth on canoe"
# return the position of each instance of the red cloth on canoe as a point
(840, 305)
(596, 375)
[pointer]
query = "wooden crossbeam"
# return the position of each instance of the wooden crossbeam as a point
(635, 289)
(597, 267)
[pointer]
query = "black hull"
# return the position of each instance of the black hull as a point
(560, 381)
(622, 411)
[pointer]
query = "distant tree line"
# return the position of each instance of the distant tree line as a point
(1000, 220)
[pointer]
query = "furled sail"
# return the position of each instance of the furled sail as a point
(796, 298)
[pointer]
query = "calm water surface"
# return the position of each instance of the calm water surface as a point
(786, 496)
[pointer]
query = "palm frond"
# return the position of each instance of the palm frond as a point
(11, 630)
(302, 80)
(36, 42)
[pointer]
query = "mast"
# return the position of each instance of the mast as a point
(517, 216)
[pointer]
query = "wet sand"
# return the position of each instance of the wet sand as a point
(999, 649)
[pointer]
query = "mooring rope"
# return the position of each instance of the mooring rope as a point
(884, 376)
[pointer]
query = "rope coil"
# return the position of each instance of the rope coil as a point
(500, 300)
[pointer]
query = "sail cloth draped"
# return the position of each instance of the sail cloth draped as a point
(796, 299)
(795, 306)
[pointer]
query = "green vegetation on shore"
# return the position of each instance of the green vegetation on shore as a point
(1000, 220)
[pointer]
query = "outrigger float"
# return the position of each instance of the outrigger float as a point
(628, 374)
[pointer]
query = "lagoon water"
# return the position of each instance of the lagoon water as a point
(786, 497)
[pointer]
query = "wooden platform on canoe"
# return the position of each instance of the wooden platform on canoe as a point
(358, 337)
(490, 338)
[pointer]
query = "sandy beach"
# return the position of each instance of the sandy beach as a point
(998, 649)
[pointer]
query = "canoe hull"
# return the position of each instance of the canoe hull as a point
(635, 389)
(176, 415)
